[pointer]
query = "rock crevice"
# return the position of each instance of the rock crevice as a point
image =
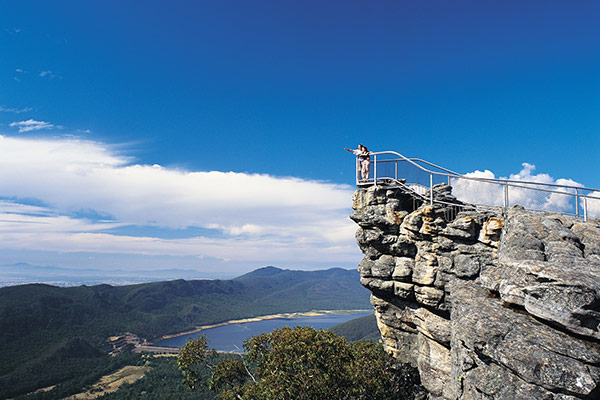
(488, 304)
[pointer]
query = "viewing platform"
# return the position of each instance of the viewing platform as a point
(418, 177)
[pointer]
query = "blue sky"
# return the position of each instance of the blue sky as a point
(163, 134)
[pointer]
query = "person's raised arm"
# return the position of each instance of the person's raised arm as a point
(350, 150)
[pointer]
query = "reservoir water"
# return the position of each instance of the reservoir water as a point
(231, 337)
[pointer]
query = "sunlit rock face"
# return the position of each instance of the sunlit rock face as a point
(488, 304)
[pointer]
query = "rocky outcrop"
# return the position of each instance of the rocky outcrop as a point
(488, 304)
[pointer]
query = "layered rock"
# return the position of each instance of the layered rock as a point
(488, 304)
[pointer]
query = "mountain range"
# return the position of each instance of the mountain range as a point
(24, 273)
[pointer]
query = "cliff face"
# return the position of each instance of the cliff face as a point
(487, 305)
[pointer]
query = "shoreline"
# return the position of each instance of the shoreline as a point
(313, 313)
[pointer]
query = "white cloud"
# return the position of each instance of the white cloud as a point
(31, 125)
(48, 74)
(16, 218)
(258, 217)
(478, 192)
(19, 71)
(72, 174)
(243, 218)
(14, 110)
(251, 249)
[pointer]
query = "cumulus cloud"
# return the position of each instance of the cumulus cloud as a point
(592, 203)
(522, 193)
(31, 125)
(255, 216)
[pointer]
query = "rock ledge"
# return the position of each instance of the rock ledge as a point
(487, 304)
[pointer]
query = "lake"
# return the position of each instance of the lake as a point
(231, 337)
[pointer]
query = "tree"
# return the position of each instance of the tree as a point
(305, 363)
(193, 359)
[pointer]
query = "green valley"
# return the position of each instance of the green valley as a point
(57, 336)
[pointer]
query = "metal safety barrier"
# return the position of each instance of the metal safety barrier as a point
(417, 176)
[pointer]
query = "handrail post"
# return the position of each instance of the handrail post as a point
(430, 189)
(577, 202)
(505, 194)
(396, 166)
(585, 208)
(375, 169)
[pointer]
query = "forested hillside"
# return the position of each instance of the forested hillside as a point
(45, 326)
(363, 328)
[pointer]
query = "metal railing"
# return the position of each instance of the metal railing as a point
(418, 176)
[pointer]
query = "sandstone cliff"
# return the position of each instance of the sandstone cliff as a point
(488, 304)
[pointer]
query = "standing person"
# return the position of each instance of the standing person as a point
(363, 161)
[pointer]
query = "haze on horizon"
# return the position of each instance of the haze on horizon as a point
(209, 136)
